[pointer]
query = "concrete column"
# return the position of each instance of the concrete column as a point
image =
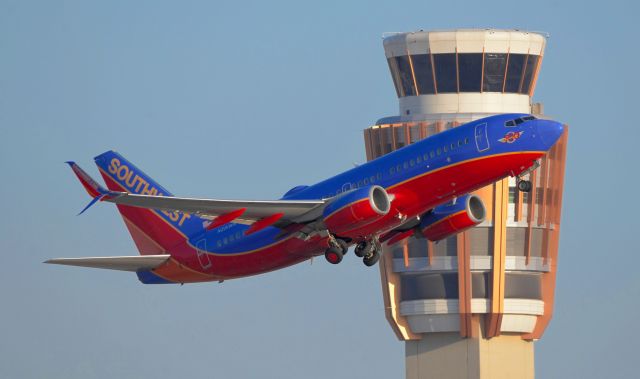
(449, 356)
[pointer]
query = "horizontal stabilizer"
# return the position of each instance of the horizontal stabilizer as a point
(136, 263)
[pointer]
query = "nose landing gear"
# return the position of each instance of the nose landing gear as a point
(524, 185)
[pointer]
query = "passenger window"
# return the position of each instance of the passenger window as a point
(405, 165)
(225, 240)
(432, 154)
(398, 168)
(379, 175)
(219, 243)
(459, 143)
(418, 159)
(392, 170)
(439, 151)
(366, 181)
(425, 156)
(466, 140)
(453, 146)
(445, 148)
(359, 183)
(412, 163)
(372, 179)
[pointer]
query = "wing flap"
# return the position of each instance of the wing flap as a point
(135, 263)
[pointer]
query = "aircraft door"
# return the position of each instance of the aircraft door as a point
(201, 251)
(481, 137)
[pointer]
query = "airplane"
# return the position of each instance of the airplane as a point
(421, 190)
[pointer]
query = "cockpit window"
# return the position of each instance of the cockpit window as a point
(518, 121)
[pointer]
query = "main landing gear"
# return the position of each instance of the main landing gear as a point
(336, 251)
(368, 250)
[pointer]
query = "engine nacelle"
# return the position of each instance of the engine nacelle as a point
(356, 209)
(452, 218)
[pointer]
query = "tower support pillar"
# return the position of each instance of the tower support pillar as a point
(449, 356)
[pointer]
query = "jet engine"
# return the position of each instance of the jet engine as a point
(454, 217)
(356, 209)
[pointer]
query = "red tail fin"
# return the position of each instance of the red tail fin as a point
(153, 231)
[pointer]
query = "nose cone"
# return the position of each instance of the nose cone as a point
(549, 132)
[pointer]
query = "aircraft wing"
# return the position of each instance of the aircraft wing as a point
(259, 213)
(136, 263)
(291, 210)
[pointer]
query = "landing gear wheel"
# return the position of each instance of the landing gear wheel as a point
(524, 185)
(372, 258)
(343, 246)
(333, 255)
(361, 249)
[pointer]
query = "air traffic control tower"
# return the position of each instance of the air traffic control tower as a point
(471, 306)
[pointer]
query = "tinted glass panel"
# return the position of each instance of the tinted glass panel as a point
(529, 71)
(446, 247)
(422, 68)
(414, 134)
(417, 247)
(406, 78)
(522, 286)
(429, 286)
(395, 75)
(400, 137)
(515, 241)
(481, 241)
(514, 72)
(470, 71)
(494, 69)
(398, 251)
(480, 285)
(446, 73)
(387, 144)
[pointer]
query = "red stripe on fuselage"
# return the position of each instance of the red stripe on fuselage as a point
(421, 193)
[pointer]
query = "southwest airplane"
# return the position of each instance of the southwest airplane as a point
(420, 190)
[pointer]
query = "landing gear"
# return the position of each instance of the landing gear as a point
(336, 251)
(524, 185)
(333, 255)
(361, 249)
(369, 251)
(372, 258)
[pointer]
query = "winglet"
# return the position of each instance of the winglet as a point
(93, 188)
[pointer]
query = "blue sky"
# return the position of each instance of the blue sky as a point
(245, 100)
